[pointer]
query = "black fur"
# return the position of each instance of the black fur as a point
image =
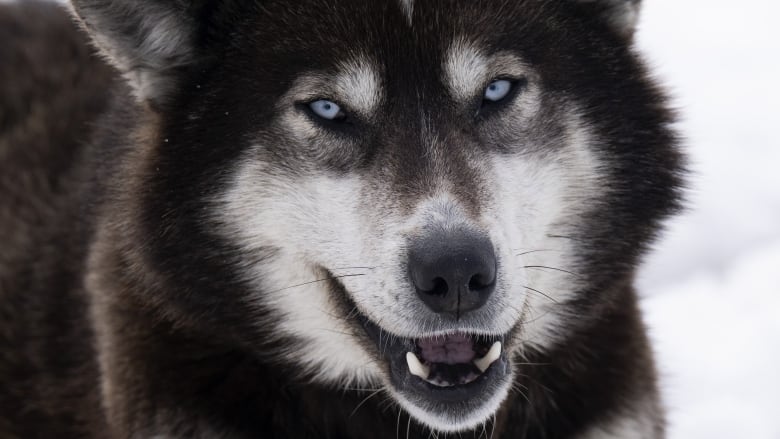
(107, 253)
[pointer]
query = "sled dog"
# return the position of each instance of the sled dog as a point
(336, 219)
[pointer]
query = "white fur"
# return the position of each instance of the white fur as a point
(454, 422)
(357, 87)
(305, 222)
(465, 69)
(360, 85)
(555, 193)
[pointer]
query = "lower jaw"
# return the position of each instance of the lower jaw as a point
(471, 394)
(457, 408)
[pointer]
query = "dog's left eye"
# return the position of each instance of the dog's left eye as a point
(327, 110)
(497, 90)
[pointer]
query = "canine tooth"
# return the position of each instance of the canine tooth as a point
(417, 368)
(491, 356)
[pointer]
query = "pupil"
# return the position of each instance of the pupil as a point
(326, 106)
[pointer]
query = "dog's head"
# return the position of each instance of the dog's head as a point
(407, 193)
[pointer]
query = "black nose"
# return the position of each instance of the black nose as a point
(453, 272)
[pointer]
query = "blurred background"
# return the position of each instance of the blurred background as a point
(711, 289)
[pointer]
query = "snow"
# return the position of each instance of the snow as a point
(712, 287)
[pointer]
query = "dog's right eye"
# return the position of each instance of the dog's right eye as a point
(328, 110)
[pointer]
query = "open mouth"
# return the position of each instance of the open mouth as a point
(453, 379)
(454, 368)
(452, 360)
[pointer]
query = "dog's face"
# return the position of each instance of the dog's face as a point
(418, 191)
(432, 183)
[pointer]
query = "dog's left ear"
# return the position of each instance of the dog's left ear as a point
(621, 15)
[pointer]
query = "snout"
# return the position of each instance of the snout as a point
(450, 362)
(453, 272)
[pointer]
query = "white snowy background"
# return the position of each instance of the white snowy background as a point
(711, 290)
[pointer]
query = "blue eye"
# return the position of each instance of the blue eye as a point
(326, 109)
(497, 90)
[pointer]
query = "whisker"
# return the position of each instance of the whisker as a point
(520, 391)
(539, 292)
(398, 424)
(353, 268)
(535, 382)
(360, 389)
(565, 237)
(364, 401)
(354, 312)
(334, 331)
(386, 403)
(519, 387)
(541, 316)
(544, 267)
(536, 251)
(317, 280)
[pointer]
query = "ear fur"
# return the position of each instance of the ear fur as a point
(621, 15)
(147, 40)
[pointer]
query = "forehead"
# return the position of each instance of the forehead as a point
(403, 33)
(426, 49)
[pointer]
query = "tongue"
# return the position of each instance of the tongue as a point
(450, 349)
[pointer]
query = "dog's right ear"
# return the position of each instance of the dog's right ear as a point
(620, 15)
(149, 41)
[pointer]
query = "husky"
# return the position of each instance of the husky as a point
(335, 219)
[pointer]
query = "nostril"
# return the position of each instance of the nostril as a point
(440, 287)
(480, 282)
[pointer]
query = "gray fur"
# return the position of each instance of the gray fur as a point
(147, 41)
(622, 15)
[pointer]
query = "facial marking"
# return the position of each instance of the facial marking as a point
(309, 221)
(465, 68)
(469, 69)
(356, 86)
(360, 85)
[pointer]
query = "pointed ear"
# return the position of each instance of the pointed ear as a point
(149, 41)
(621, 15)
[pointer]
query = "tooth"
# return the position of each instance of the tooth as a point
(491, 356)
(417, 368)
